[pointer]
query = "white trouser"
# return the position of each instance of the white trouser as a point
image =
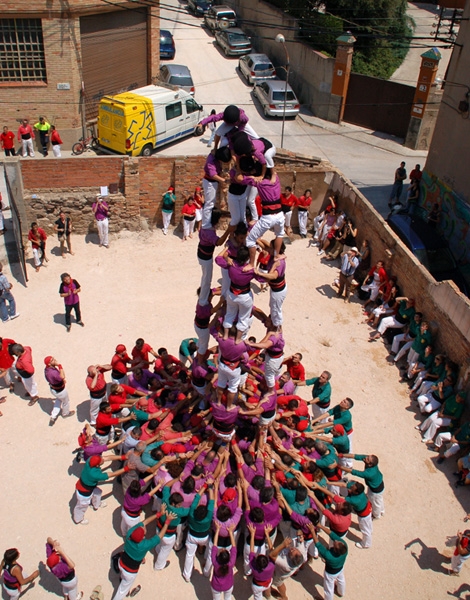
(69, 588)
(210, 196)
(317, 223)
(163, 551)
(239, 306)
(365, 525)
(276, 300)
(419, 378)
(258, 590)
(228, 378)
(444, 438)
(103, 231)
(246, 556)
(127, 579)
(457, 562)
(237, 207)
(188, 227)
(37, 257)
(302, 215)
(30, 386)
(427, 403)
(430, 426)
(346, 462)
(318, 410)
(121, 381)
(329, 582)
(264, 224)
(203, 336)
(62, 402)
(251, 193)
(225, 283)
(412, 357)
(127, 522)
(269, 157)
(207, 267)
(13, 594)
(350, 438)
(287, 218)
(272, 369)
(166, 217)
(27, 147)
(95, 408)
(389, 323)
(57, 154)
(377, 501)
(227, 595)
(191, 546)
(397, 340)
(83, 502)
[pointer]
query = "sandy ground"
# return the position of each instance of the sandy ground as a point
(144, 285)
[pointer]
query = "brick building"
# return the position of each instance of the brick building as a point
(58, 58)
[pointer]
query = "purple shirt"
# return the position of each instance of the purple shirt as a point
(224, 416)
(94, 449)
(101, 212)
(53, 377)
(242, 120)
(135, 505)
(258, 152)
(234, 520)
(230, 351)
(61, 570)
(278, 344)
(187, 498)
(212, 166)
(272, 515)
(250, 473)
(222, 583)
(142, 383)
(270, 193)
(235, 272)
(70, 287)
(266, 574)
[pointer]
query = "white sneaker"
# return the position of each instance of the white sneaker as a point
(14, 316)
(83, 522)
(103, 504)
(320, 252)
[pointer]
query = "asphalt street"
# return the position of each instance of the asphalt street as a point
(369, 159)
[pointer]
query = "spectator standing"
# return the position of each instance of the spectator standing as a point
(6, 296)
(349, 264)
(26, 137)
(13, 578)
(7, 138)
(55, 377)
(56, 142)
(63, 568)
(37, 236)
(212, 127)
(69, 290)
(397, 189)
(63, 227)
(101, 211)
(168, 206)
(303, 204)
(44, 128)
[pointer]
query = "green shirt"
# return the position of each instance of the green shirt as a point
(358, 502)
(203, 526)
(138, 550)
(333, 563)
(463, 436)
(341, 417)
(179, 511)
(421, 341)
(323, 392)
(371, 475)
(326, 462)
(146, 458)
(298, 507)
(92, 476)
(406, 314)
(42, 126)
(452, 408)
(169, 200)
(341, 444)
(184, 347)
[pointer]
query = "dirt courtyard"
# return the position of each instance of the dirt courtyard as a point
(144, 285)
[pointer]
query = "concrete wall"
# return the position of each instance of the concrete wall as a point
(448, 157)
(311, 72)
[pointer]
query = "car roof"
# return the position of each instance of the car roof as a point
(165, 33)
(277, 85)
(178, 69)
(419, 233)
(255, 57)
(235, 30)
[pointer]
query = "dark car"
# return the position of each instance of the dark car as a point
(429, 247)
(167, 45)
(199, 7)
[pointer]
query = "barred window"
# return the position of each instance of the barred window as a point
(21, 50)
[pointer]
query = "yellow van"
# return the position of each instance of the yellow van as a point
(137, 122)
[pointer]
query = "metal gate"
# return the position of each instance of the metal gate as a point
(17, 231)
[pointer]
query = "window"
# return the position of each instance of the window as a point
(173, 111)
(21, 50)
(192, 106)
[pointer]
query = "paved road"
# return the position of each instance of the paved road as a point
(369, 160)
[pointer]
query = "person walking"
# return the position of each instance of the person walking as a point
(55, 377)
(56, 142)
(26, 137)
(101, 211)
(349, 264)
(63, 228)
(63, 568)
(13, 578)
(6, 314)
(7, 138)
(397, 189)
(24, 367)
(44, 128)
(168, 206)
(37, 236)
(69, 290)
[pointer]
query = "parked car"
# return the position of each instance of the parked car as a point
(271, 95)
(178, 75)
(429, 247)
(199, 7)
(167, 45)
(233, 41)
(217, 14)
(256, 67)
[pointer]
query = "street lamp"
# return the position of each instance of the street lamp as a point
(282, 40)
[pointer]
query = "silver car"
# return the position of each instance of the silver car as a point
(178, 75)
(256, 67)
(233, 41)
(271, 95)
(220, 17)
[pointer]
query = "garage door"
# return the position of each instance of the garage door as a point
(114, 54)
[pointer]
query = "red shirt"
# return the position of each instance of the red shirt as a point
(105, 420)
(143, 354)
(100, 382)
(117, 399)
(6, 360)
(296, 371)
(119, 363)
(189, 210)
(7, 140)
(40, 235)
(55, 137)
(25, 361)
(291, 201)
(304, 202)
(338, 523)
